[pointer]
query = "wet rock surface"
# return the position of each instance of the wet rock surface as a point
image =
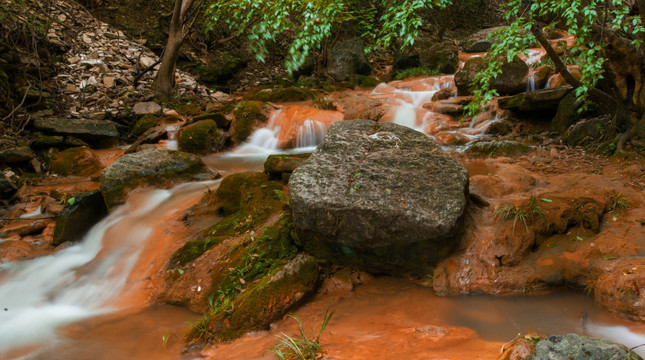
(576, 347)
(539, 100)
(379, 196)
(77, 218)
(97, 133)
(512, 79)
(148, 167)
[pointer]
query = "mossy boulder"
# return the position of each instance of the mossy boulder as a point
(202, 137)
(149, 167)
(147, 122)
(498, 148)
(47, 141)
(512, 80)
(216, 115)
(364, 81)
(79, 161)
(346, 58)
(266, 300)
(568, 113)
(276, 165)
(191, 109)
(442, 57)
(223, 67)
(287, 94)
(248, 115)
(587, 130)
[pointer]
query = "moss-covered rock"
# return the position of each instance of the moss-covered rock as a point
(364, 80)
(498, 148)
(79, 161)
(568, 113)
(248, 114)
(202, 137)
(276, 165)
(149, 167)
(216, 115)
(47, 141)
(223, 67)
(511, 80)
(287, 94)
(147, 122)
(191, 109)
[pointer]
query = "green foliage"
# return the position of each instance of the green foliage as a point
(312, 22)
(509, 212)
(301, 347)
(416, 72)
(323, 103)
(579, 18)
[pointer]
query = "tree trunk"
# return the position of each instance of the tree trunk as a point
(165, 81)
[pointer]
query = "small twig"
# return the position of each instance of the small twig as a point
(19, 105)
(138, 76)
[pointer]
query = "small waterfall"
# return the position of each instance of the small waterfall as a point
(171, 143)
(263, 140)
(530, 85)
(310, 134)
(38, 296)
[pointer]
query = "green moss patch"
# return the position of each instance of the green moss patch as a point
(247, 115)
(201, 137)
(79, 161)
(147, 122)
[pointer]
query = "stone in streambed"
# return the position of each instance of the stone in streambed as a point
(96, 133)
(512, 80)
(78, 217)
(277, 165)
(202, 137)
(577, 347)
(149, 167)
(79, 161)
(379, 196)
(268, 300)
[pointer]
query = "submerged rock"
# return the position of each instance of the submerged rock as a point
(380, 196)
(148, 167)
(78, 217)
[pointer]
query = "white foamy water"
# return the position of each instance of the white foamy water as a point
(310, 133)
(40, 295)
(530, 84)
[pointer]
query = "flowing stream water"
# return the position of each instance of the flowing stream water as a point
(88, 301)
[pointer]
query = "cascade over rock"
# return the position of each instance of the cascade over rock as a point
(379, 196)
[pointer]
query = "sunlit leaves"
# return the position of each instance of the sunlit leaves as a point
(579, 18)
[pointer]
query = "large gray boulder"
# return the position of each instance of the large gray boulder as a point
(382, 197)
(98, 134)
(347, 58)
(576, 347)
(149, 167)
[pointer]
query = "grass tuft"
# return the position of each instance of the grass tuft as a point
(301, 347)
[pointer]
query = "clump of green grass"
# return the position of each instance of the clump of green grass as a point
(618, 201)
(301, 347)
(416, 72)
(515, 213)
